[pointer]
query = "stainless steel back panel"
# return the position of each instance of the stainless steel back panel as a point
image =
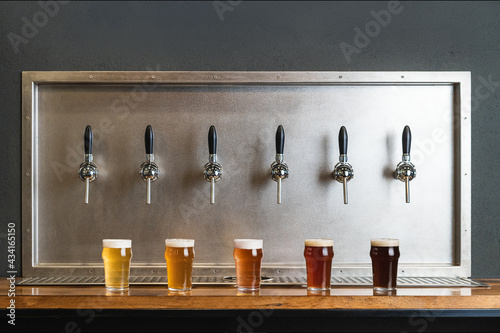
(62, 235)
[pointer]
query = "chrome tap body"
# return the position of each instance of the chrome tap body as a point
(88, 169)
(212, 171)
(343, 171)
(149, 170)
(279, 169)
(405, 170)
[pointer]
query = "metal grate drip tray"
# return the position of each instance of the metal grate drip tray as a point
(352, 281)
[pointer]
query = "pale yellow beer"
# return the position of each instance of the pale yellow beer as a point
(116, 254)
(179, 255)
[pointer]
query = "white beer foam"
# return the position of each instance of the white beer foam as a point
(319, 242)
(117, 243)
(179, 242)
(385, 242)
(248, 244)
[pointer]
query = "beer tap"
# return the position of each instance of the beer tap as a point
(88, 169)
(212, 170)
(279, 169)
(405, 171)
(149, 169)
(343, 171)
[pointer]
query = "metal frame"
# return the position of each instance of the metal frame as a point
(461, 82)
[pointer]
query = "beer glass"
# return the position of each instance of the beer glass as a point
(385, 254)
(319, 255)
(116, 254)
(248, 258)
(179, 255)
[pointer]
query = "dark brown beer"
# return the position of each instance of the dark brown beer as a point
(385, 254)
(319, 255)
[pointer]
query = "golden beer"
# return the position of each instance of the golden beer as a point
(179, 255)
(116, 254)
(248, 258)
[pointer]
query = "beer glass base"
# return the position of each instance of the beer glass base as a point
(117, 289)
(179, 289)
(318, 289)
(243, 289)
(384, 291)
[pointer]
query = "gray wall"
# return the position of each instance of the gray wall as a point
(293, 36)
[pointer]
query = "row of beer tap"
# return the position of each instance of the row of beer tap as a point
(343, 172)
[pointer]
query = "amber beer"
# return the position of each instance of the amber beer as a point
(248, 258)
(116, 254)
(319, 255)
(385, 254)
(179, 255)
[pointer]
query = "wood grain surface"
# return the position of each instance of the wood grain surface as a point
(227, 297)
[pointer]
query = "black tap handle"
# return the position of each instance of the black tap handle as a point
(212, 140)
(280, 140)
(343, 141)
(406, 140)
(88, 138)
(148, 140)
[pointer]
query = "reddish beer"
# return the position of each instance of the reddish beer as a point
(319, 255)
(248, 258)
(385, 254)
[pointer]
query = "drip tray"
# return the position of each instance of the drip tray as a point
(351, 281)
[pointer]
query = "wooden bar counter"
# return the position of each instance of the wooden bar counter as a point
(269, 297)
(478, 302)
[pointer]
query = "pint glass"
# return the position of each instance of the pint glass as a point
(116, 254)
(319, 255)
(179, 255)
(385, 254)
(248, 258)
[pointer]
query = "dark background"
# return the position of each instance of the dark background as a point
(274, 36)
